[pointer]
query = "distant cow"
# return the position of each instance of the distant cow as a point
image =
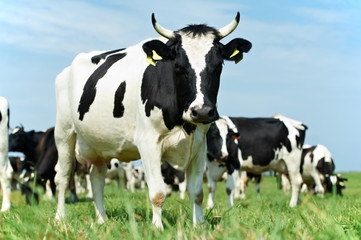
(151, 101)
(27, 143)
(41, 157)
(5, 168)
(255, 145)
(317, 169)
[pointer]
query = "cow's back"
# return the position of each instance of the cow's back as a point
(99, 94)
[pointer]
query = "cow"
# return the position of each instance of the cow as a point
(152, 100)
(41, 156)
(5, 167)
(27, 142)
(254, 145)
(317, 167)
(317, 170)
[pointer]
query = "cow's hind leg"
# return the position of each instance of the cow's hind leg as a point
(65, 143)
(97, 178)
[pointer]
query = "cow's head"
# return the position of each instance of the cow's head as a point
(193, 57)
(17, 139)
(219, 137)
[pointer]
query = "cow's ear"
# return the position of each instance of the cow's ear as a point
(157, 51)
(234, 50)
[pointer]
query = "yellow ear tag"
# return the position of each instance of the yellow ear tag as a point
(234, 53)
(156, 56)
(150, 61)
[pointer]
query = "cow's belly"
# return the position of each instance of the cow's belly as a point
(111, 138)
(273, 165)
(179, 148)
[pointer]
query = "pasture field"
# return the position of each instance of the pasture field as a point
(258, 217)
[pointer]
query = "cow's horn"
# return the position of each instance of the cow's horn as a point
(161, 30)
(226, 30)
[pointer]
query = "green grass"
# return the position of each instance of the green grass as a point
(258, 217)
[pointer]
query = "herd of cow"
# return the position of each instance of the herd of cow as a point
(157, 101)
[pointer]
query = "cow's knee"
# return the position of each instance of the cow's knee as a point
(158, 199)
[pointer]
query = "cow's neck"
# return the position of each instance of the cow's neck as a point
(159, 90)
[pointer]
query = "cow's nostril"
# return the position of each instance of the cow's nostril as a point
(194, 114)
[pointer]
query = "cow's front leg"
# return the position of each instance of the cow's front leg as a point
(319, 188)
(5, 176)
(156, 185)
(194, 175)
(211, 190)
(230, 186)
(97, 178)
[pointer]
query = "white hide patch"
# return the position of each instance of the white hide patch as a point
(196, 51)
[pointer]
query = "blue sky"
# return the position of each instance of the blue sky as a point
(305, 62)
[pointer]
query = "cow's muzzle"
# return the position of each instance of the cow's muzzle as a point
(205, 114)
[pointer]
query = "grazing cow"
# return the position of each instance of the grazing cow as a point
(5, 167)
(118, 105)
(317, 167)
(174, 178)
(254, 145)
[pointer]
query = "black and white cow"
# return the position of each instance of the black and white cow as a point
(255, 145)
(27, 142)
(317, 170)
(5, 167)
(118, 105)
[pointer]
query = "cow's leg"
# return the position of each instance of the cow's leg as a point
(257, 188)
(194, 178)
(89, 185)
(211, 189)
(97, 178)
(130, 179)
(296, 181)
(151, 157)
(5, 176)
(230, 189)
(65, 143)
(285, 182)
(319, 188)
(182, 189)
(243, 179)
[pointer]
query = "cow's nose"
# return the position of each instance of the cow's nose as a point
(224, 156)
(204, 114)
